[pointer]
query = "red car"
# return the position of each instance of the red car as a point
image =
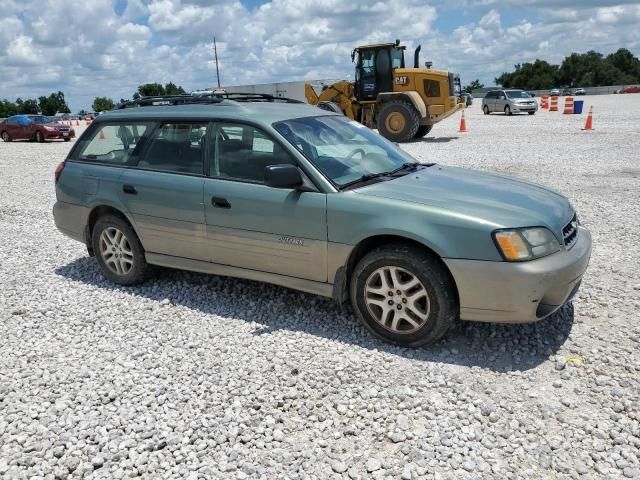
(631, 90)
(34, 127)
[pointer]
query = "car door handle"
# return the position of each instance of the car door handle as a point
(220, 202)
(130, 189)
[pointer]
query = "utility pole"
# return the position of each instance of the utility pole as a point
(215, 51)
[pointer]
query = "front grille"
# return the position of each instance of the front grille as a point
(570, 232)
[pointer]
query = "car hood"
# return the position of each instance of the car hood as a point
(502, 202)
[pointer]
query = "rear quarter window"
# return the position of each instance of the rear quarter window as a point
(116, 144)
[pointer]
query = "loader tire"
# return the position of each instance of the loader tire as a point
(331, 107)
(398, 121)
(423, 130)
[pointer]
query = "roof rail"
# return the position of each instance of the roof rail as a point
(255, 97)
(157, 100)
(206, 98)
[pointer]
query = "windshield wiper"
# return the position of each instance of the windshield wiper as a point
(405, 167)
(362, 179)
(408, 166)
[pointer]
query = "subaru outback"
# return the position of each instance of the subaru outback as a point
(274, 190)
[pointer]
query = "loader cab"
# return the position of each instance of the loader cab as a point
(374, 68)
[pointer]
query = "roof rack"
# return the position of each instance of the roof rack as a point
(255, 97)
(205, 98)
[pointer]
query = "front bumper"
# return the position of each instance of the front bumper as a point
(52, 135)
(525, 108)
(507, 292)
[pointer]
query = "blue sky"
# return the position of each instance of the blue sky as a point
(108, 47)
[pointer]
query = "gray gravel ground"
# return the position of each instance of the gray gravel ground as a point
(194, 376)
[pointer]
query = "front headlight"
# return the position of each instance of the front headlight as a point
(522, 244)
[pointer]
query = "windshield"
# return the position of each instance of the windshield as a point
(518, 94)
(342, 149)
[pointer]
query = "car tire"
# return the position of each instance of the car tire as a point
(39, 137)
(6, 137)
(119, 251)
(398, 121)
(424, 310)
(507, 110)
(423, 130)
(531, 113)
(485, 109)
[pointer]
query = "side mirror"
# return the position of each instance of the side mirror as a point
(282, 176)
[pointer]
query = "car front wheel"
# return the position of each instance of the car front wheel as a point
(486, 110)
(39, 137)
(507, 110)
(118, 251)
(404, 295)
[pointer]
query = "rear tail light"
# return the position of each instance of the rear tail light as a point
(58, 171)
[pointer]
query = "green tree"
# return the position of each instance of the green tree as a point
(53, 104)
(157, 89)
(27, 107)
(475, 85)
(8, 108)
(150, 90)
(530, 76)
(590, 69)
(100, 104)
(173, 89)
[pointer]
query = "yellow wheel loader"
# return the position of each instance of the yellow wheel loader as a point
(402, 103)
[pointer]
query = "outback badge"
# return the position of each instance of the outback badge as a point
(290, 240)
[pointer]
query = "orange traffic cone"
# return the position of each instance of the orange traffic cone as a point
(463, 124)
(77, 123)
(101, 136)
(589, 124)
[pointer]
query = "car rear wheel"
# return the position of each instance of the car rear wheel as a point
(6, 137)
(485, 109)
(39, 137)
(507, 110)
(119, 251)
(403, 295)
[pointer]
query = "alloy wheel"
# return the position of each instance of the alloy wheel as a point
(397, 299)
(116, 251)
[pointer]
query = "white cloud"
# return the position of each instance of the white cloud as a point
(86, 49)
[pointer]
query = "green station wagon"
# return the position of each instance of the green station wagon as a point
(273, 190)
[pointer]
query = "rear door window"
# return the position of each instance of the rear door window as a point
(176, 147)
(117, 144)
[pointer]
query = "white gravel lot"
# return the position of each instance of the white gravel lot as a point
(194, 376)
